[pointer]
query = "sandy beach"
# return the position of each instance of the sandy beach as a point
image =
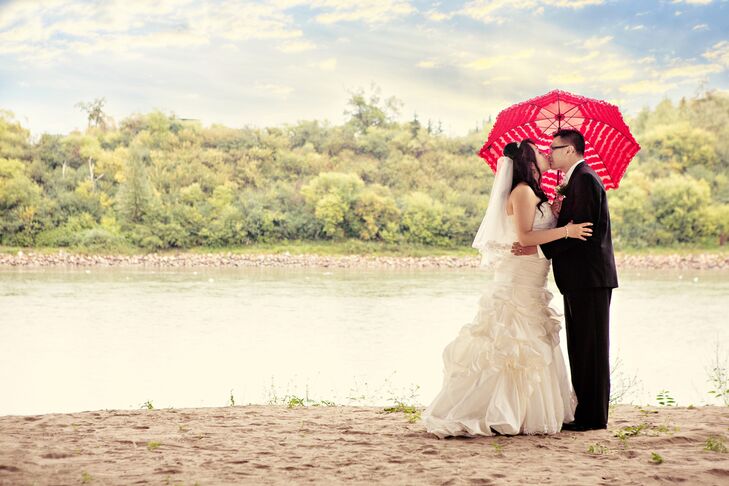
(267, 444)
(701, 261)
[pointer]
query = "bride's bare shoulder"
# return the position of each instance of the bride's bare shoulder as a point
(522, 190)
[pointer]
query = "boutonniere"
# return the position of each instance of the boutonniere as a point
(561, 189)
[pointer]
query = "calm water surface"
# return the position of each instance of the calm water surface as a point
(74, 340)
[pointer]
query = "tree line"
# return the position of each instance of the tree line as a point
(156, 181)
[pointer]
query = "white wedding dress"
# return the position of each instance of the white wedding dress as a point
(505, 372)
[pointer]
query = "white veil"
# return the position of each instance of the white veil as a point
(496, 233)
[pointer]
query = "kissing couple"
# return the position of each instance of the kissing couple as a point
(505, 373)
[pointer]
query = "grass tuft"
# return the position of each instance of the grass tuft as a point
(598, 449)
(152, 445)
(715, 444)
(411, 411)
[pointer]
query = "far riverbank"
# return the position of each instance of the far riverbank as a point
(31, 258)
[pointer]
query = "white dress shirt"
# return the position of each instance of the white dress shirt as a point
(564, 183)
(569, 172)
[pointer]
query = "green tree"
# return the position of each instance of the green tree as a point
(680, 205)
(20, 198)
(136, 196)
(95, 113)
(718, 222)
(422, 219)
(377, 215)
(333, 195)
(676, 147)
(632, 214)
(367, 111)
(14, 139)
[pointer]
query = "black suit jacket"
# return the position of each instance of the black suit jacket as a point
(581, 264)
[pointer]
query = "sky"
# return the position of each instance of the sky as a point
(275, 62)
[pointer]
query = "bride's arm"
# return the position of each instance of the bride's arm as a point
(524, 202)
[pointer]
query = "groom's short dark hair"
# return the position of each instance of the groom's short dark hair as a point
(574, 138)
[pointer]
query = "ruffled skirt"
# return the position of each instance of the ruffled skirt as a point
(505, 371)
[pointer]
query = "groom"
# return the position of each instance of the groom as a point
(585, 275)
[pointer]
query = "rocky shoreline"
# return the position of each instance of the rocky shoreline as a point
(704, 261)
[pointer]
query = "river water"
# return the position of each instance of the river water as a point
(76, 339)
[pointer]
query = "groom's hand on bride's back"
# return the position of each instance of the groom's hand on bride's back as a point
(518, 250)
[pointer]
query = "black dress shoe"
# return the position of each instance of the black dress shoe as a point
(578, 427)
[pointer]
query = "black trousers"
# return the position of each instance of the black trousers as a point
(587, 318)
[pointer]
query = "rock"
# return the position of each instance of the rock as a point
(698, 262)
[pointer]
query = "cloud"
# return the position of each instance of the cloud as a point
(253, 57)
(242, 21)
(436, 16)
(273, 89)
(485, 63)
(595, 42)
(496, 79)
(691, 71)
(719, 53)
(326, 65)
(48, 30)
(635, 27)
(646, 86)
(615, 68)
(492, 11)
(593, 63)
(567, 78)
(693, 2)
(369, 12)
(700, 27)
(590, 56)
(660, 79)
(53, 29)
(576, 4)
(297, 46)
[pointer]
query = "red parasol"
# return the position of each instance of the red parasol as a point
(609, 145)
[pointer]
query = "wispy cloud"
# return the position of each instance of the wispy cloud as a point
(719, 52)
(567, 79)
(326, 65)
(646, 86)
(66, 27)
(691, 71)
(693, 2)
(484, 63)
(370, 12)
(437, 16)
(595, 42)
(273, 61)
(495, 11)
(296, 46)
(274, 89)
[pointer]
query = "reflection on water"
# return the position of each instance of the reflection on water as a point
(113, 338)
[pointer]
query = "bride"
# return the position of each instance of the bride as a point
(505, 372)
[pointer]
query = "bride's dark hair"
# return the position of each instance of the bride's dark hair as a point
(524, 160)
